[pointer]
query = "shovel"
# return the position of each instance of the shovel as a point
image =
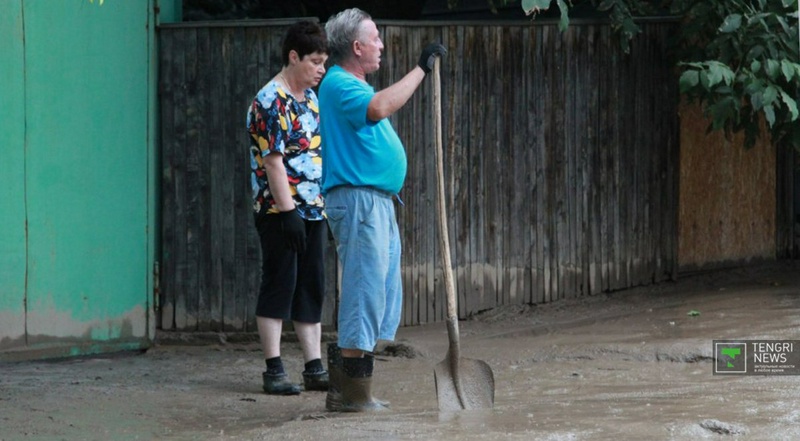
(461, 383)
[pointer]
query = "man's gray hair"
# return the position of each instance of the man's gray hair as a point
(342, 30)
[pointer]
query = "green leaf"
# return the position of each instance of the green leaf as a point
(704, 81)
(605, 5)
(755, 66)
(719, 72)
(772, 68)
(714, 75)
(752, 85)
(688, 80)
(757, 18)
(693, 313)
(791, 104)
(788, 69)
(787, 3)
(731, 23)
(783, 24)
(630, 28)
(534, 6)
(563, 24)
(757, 101)
(769, 113)
(722, 112)
(755, 52)
(770, 95)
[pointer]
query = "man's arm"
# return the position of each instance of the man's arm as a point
(384, 103)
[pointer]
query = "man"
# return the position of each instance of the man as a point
(285, 144)
(365, 166)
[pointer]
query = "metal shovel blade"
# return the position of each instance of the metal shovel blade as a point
(472, 378)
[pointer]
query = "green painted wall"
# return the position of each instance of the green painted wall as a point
(77, 164)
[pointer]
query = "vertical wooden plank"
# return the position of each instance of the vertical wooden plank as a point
(583, 139)
(201, 145)
(515, 186)
(525, 167)
(537, 132)
(574, 94)
(616, 243)
(181, 184)
(232, 146)
(239, 68)
(472, 204)
(195, 184)
(247, 47)
(167, 93)
(671, 161)
(419, 107)
(651, 177)
(493, 174)
(627, 157)
(557, 167)
(456, 161)
(219, 180)
(596, 183)
(605, 161)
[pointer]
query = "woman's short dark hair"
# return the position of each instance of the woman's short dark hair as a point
(304, 37)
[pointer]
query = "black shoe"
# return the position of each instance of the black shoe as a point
(279, 385)
(316, 380)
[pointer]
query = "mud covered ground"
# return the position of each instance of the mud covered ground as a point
(631, 365)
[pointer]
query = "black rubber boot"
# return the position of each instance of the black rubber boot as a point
(371, 357)
(279, 384)
(355, 386)
(333, 401)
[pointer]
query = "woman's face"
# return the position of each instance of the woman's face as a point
(310, 69)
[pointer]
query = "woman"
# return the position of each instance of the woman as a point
(285, 144)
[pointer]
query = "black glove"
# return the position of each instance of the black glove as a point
(294, 230)
(426, 58)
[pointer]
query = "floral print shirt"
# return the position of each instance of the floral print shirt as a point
(277, 122)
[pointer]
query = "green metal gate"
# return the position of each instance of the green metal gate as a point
(77, 194)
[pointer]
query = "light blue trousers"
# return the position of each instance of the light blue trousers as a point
(364, 226)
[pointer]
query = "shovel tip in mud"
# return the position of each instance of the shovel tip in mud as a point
(468, 386)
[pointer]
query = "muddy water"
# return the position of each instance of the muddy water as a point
(626, 366)
(630, 367)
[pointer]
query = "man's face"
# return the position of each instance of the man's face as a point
(369, 47)
(311, 68)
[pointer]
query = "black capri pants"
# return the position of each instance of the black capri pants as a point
(292, 284)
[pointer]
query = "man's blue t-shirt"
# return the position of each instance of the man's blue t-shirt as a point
(357, 151)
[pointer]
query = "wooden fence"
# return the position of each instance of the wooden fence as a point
(561, 165)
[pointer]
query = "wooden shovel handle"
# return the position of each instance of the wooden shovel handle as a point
(441, 209)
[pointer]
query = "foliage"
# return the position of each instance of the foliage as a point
(621, 13)
(740, 58)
